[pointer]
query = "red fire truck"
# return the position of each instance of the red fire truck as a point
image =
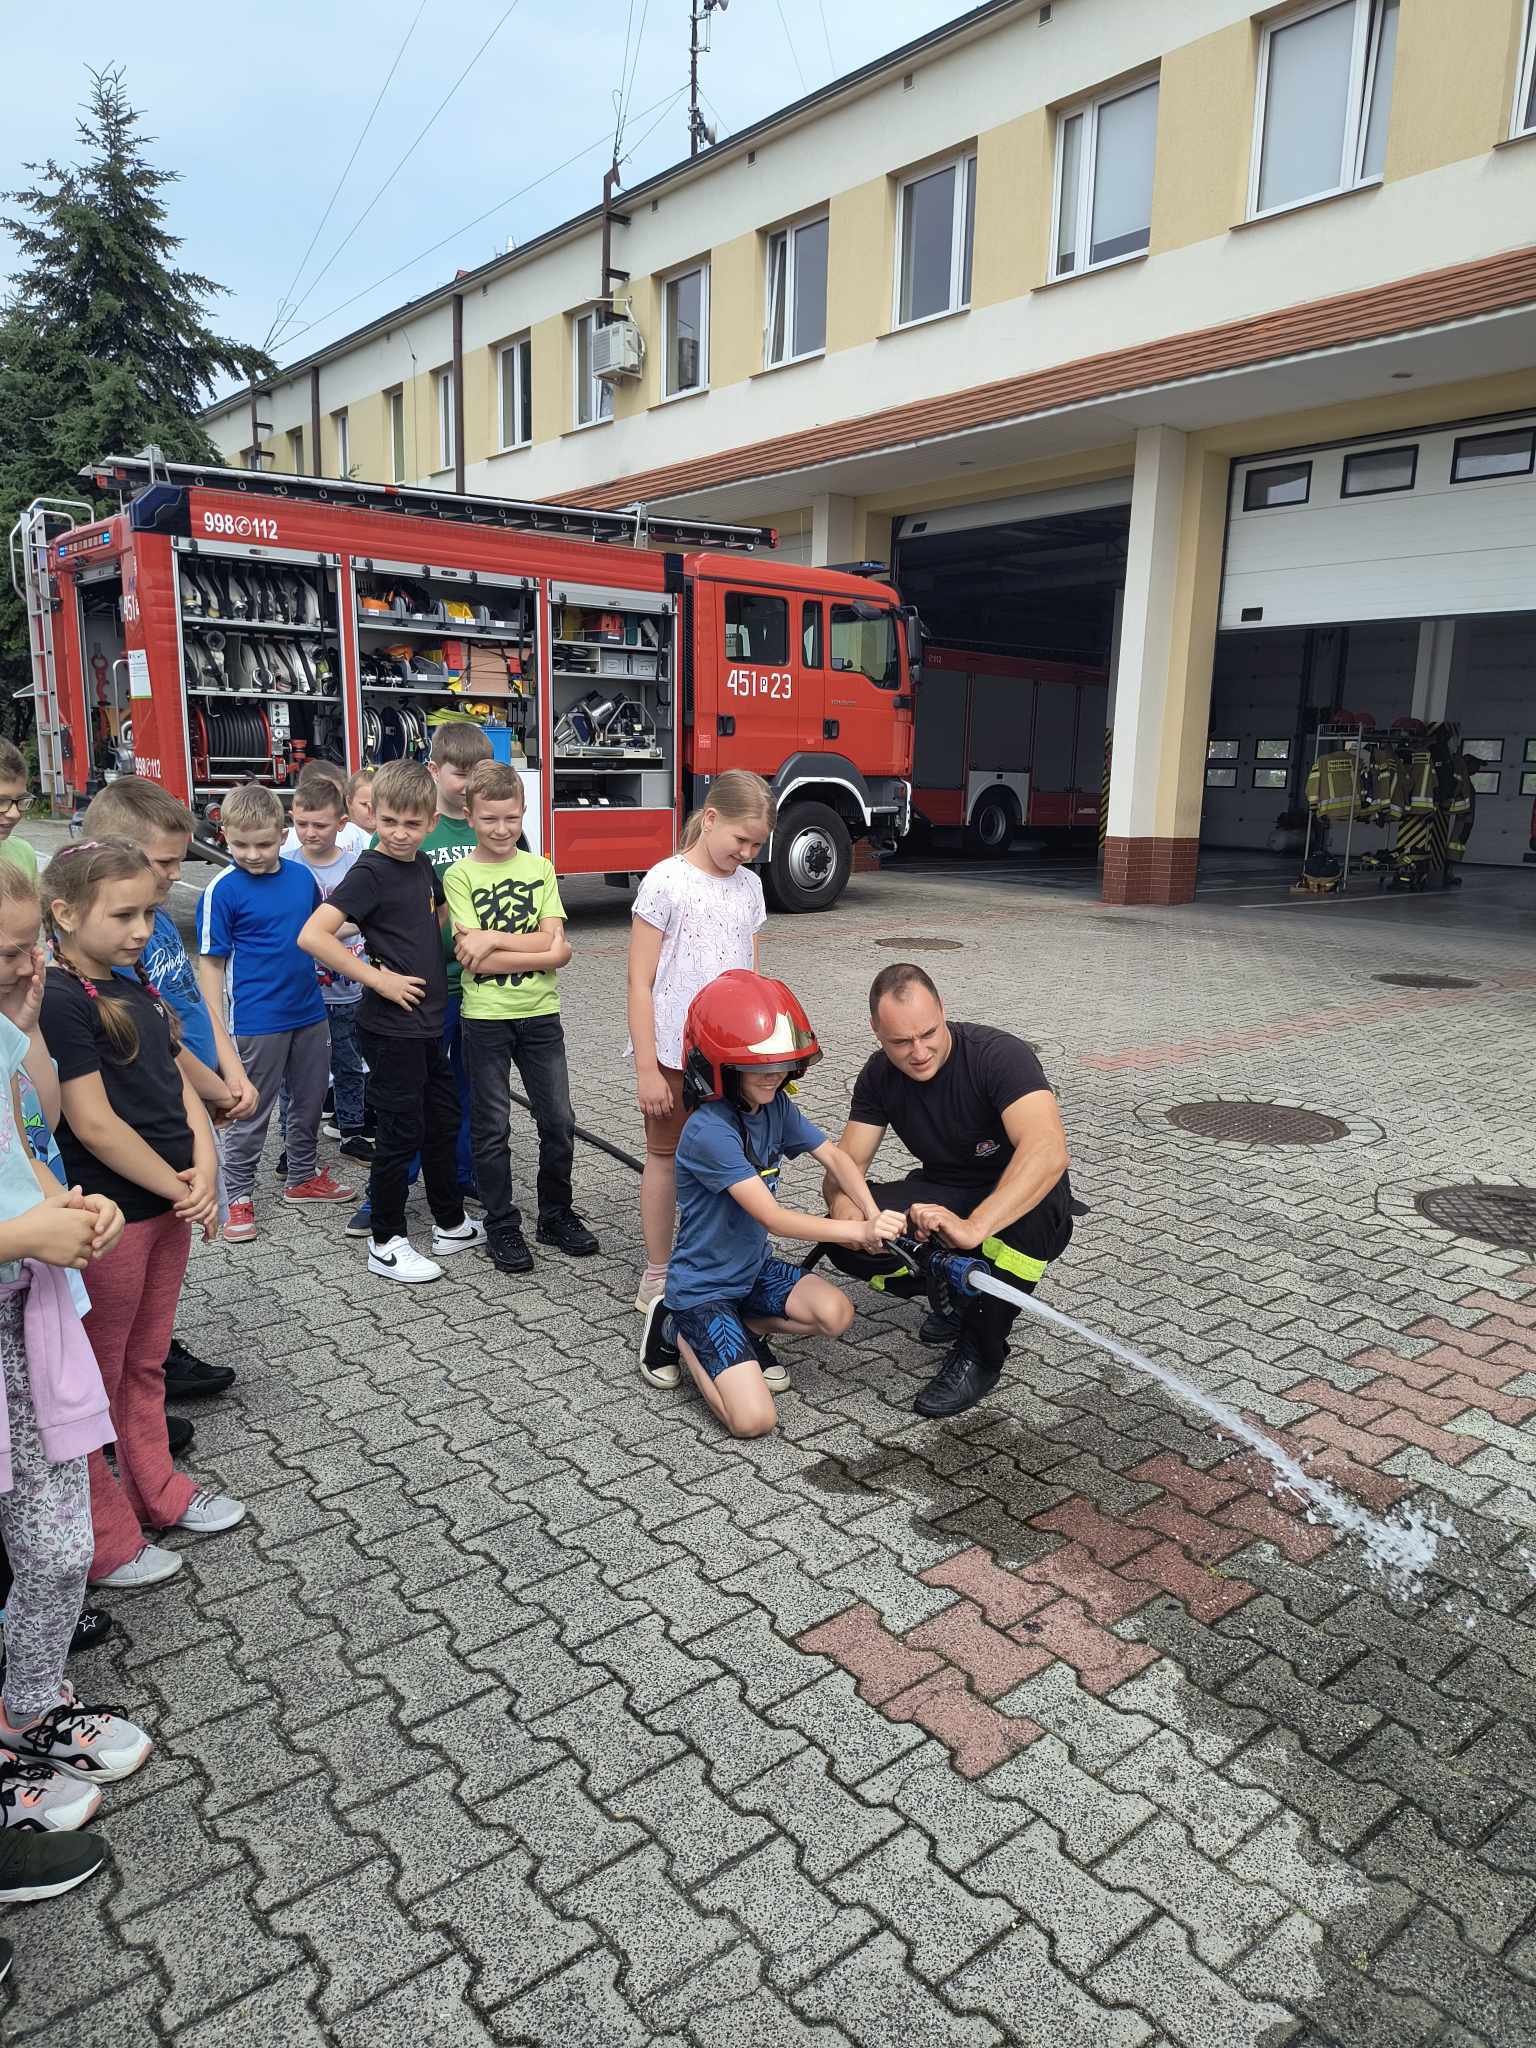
(227, 626)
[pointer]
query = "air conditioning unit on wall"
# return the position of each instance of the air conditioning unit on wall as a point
(618, 350)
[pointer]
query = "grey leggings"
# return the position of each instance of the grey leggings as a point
(46, 1522)
(302, 1059)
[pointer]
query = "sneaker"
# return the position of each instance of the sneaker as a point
(775, 1375)
(960, 1382)
(653, 1285)
(330, 1130)
(360, 1222)
(568, 1234)
(240, 1223)
(42, 1866)
(661, 1363)
(178, 1435)
(190, 1378)
(320, 1187)
(462, 1238)
(148, 1568)
(97, 1743)
(208, 1513)
(92, 1627)
(357, 1147)
(398, 1259)
(35, 1797)
(509, 1250)
(282, 1166)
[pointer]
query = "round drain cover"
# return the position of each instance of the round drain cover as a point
(917, 943)
(1502, 1216)
(1256, 1123)
(1427, 981)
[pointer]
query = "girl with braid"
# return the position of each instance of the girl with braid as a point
(132, 1129)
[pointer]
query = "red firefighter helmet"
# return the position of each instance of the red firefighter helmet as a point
(742, 1019)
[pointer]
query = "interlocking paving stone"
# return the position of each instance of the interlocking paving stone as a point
(1084, 1914)
(1018, 1979)
(499, 1921)
(874, 1998)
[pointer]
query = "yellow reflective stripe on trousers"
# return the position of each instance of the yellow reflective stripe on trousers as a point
(879, 1280)
(1007, 1260)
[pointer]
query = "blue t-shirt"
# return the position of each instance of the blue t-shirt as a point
(254, 922)
(720, 1249)
(165, 961)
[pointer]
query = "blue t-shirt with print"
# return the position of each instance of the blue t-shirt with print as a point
(720, 1249)
(254, 922)
(165, 961)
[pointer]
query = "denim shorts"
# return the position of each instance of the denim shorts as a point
(715, 1330)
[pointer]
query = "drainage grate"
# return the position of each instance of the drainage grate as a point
(1257, 1123)
(1427, 981)
(917, 943)
(1502, 1216)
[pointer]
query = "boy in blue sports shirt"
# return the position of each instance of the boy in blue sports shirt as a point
(746, 1039)
(248, 931)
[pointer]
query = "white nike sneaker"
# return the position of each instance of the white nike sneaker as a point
(398, 1259)
(446, 1242)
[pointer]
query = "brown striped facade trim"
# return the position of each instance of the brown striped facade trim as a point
(1434, 298)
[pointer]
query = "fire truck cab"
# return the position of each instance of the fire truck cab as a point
(226, 626)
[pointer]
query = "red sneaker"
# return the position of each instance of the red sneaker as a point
(320, 1187)
(242, 1221)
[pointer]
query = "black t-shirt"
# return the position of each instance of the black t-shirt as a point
(953, 1124)
(394, 904)
(145, 1092)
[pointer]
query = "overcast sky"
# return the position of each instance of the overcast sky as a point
(260, 108)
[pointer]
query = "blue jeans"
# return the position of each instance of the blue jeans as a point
(348, 1073)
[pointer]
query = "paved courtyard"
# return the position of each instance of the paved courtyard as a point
(525, 1708)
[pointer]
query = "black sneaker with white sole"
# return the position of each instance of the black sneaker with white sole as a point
(568, 1234)
(41, 1866)
(508, 1249)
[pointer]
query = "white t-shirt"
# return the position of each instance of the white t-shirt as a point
(350, 839)
(707, 923)
(336, 988)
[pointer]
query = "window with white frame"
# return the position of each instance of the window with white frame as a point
(797, 293)
(1525, 87)
(343, 444)
(1325, 95)
(1104, 153)
(514, 384)
(442, 386)
(593, 398)
(295, 451)
(685, 332)
(395, 401)
(935, 228)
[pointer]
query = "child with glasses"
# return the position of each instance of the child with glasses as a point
(15, 795)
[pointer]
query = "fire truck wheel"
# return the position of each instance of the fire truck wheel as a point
(993, 823)
(812, 858)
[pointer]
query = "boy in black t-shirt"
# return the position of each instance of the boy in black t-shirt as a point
(395, 898)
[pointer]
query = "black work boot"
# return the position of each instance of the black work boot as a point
(960, 1382)
(940, 1328)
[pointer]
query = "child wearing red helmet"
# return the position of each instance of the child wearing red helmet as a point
(747, 1037)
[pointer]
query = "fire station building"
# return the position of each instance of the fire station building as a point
(1179, 359)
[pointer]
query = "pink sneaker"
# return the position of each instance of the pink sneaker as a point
(320, 1187)
(241, 1223)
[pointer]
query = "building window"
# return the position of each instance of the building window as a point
(1377, 470)
(1104, 153)
(934, 231)
(685, 322)
(1325, 91)
(1479, 458)
(343, 444)
(1288, 483)
(442, 391)
(395, 401)
(295, 451)
(594, 398)
(1525, 88)
(514, 384)
(756, 627)
(797, 293)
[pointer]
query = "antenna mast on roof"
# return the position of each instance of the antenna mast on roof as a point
(700, 134)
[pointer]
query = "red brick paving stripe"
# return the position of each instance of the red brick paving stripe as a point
(1343, 1436)
(1516, 1311)
(1300, 1541)
(1106, 1596)
(879, 1662)
(993, 1662)
(977, 1736)
(1374, 1489)
(1194, 1533)
(1002, 1598)
(1412, 1372)
(1400, 1422)
(1360, 1409)
(1525, 1277)
(1503, 1330)
(1501, 1365)
(1511, 1408)
(1476, 1342)
(1510, 1360)
(1443, 1406)
(1206, 1596)
(1197, 1489)
(1109, 1541)
(1101, 1661)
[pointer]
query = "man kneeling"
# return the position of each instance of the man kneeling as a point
(746, 1039)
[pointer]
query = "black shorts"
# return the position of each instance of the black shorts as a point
(715, 1330)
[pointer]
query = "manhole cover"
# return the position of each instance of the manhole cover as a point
(1502, 1216)
(916, 943)
(1427, 981)
(1257, 1123)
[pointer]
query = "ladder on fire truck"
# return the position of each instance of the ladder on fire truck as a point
(31, 537)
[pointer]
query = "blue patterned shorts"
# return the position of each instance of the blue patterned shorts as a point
(715, 1330)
